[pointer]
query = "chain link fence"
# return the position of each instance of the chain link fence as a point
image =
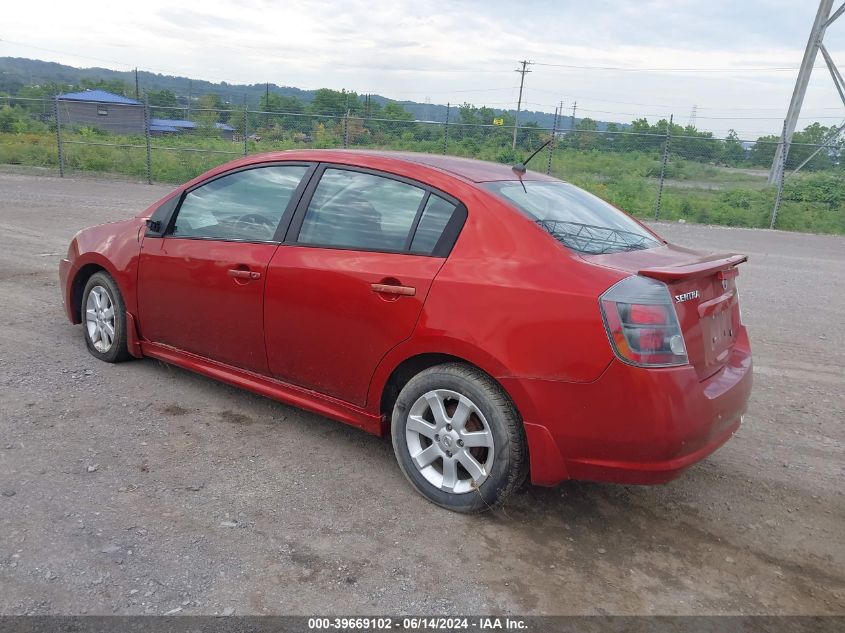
(686, 176)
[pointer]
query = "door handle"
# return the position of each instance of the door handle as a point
(243, 274)
(389, 289)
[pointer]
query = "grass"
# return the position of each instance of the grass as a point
(693, 191)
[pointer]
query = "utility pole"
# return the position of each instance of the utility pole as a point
(445, 129)
(190, 96)
(245, 130)
(663, 162)
(522, 72)
(554, 140)
(267, 105)
(147, 139)
(572, 118)
(814, 43)
(136, 83)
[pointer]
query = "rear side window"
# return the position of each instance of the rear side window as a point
(361, 211)
(246, 205)
(433, 222)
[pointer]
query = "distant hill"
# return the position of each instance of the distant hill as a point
(17, 72)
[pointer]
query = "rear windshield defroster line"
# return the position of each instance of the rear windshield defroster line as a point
(579, 220)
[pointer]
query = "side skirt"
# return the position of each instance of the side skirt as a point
(266, 386)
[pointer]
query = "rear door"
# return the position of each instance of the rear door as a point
(351, 279)
(201, 282)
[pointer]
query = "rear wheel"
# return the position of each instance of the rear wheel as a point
(104, 319)
(458, 438)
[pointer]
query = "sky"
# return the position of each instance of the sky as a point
(736, 61)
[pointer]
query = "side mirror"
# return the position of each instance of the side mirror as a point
(158, 222)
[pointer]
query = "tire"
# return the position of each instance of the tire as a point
(437, 456)
(104, 319)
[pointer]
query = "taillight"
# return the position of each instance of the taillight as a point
(642, 324)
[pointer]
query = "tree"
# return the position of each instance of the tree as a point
(804, 143)
(290, 106)
(396, 112)
(116, 86)
(733, 152)
(529, 136)
(273, 102)
(380, 127)
(8, 119)
(469, 114)
(45, 92)
(15, 119)
(476, 122)
(334, 102)
(762, 153)
(210, 111)
(644, 137)
(164, 104)
(584, 137)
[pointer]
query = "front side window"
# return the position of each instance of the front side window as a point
(361, 211)
(245, 206)
(578, 219)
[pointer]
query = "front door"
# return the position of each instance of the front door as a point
(351, 280)
(201, 285)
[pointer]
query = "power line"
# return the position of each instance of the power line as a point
(673, 70)
(449, 92)
(669, 105)
(50, 50)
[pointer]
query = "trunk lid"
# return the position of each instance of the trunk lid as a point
(703, 288)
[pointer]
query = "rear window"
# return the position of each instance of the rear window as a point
(361, 211)
(578, 219)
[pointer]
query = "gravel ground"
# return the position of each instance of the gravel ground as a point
(141, 488)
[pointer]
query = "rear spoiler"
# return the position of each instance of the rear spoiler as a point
(693, 270)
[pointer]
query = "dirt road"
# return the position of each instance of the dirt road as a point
(141, 488)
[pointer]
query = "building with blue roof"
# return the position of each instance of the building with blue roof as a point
(98, 96)
(101, 109)
(160, 127)
(121, 115)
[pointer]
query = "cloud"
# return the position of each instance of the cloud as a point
(463, 50)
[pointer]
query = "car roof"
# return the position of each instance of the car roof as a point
(467, 168)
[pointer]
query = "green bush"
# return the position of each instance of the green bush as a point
(694, 191)
(825, 188)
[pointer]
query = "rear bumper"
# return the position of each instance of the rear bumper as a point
(632, 425)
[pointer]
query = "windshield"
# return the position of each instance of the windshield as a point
(577, 219)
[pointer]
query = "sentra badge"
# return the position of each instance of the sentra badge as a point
(692, 294)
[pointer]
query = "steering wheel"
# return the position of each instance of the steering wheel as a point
(253, 220)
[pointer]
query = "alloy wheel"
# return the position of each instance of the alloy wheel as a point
(99, 318)
(449, 441)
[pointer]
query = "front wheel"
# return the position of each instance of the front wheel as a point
(104, 319)
(458, 438)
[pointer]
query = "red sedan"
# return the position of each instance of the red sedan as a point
(497, 324)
